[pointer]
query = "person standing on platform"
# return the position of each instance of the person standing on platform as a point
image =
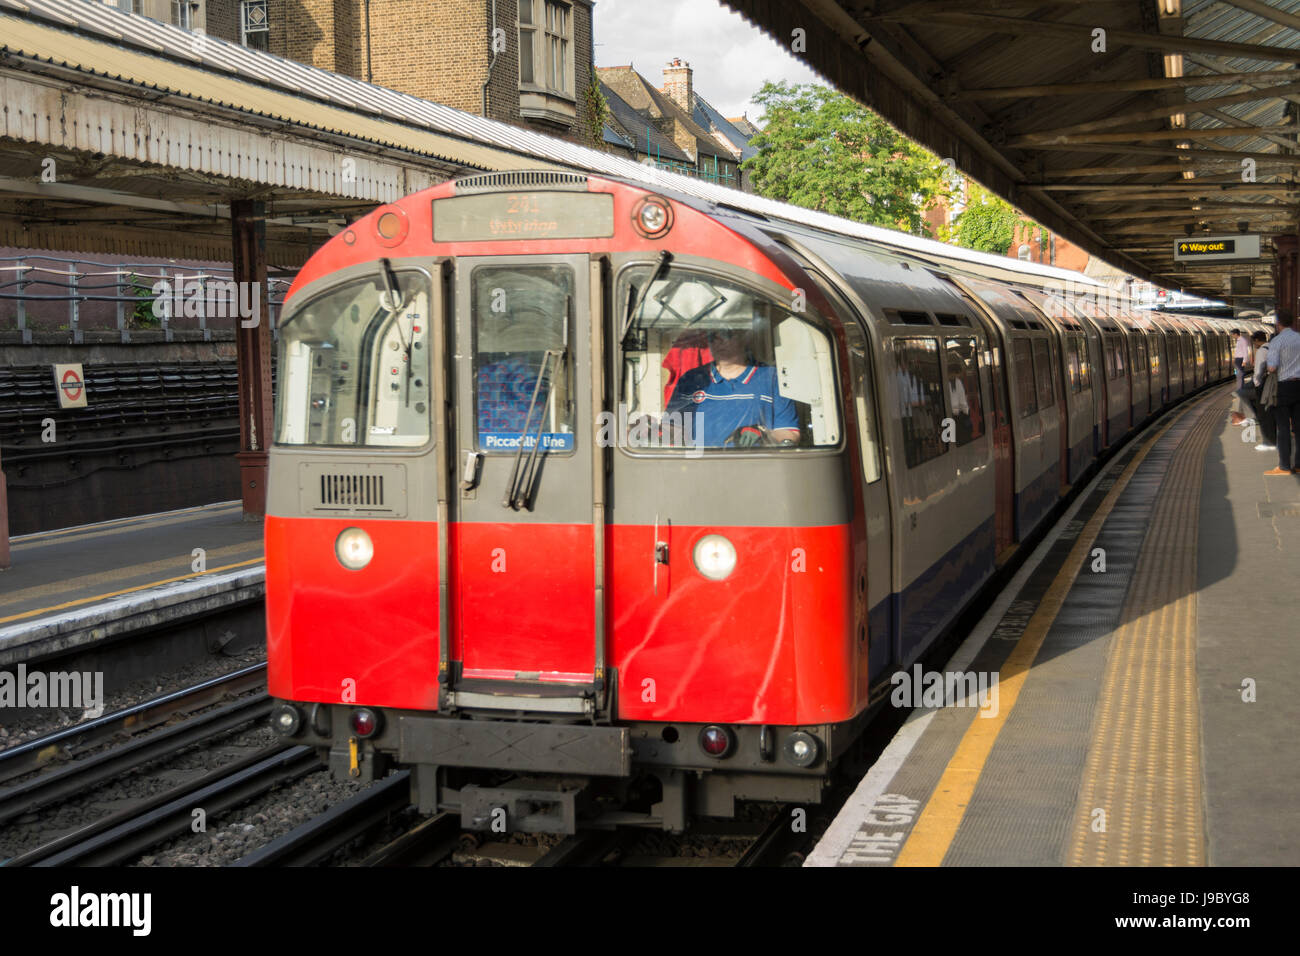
(1253, 389)
(1284, 359)
(1241, 356)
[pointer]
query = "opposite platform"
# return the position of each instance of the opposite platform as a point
(77, 585)
(1147, 686)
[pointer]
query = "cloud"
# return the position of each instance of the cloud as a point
(731, 57)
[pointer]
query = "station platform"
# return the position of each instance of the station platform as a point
(1145, 714)
(74, 586)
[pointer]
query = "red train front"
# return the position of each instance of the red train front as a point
(525, 539)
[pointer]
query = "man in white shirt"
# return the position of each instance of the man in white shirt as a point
(1284, 359)
(1241, 356)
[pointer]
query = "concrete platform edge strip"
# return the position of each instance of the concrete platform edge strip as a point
(76, 627)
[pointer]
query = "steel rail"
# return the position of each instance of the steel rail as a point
(60, 785)
(314, 842)
(40, 751)
(139, 831)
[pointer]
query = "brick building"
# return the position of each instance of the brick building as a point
(527, 62)
(672, 126)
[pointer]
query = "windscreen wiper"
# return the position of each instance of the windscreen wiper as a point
(661, 269)
(520, 487)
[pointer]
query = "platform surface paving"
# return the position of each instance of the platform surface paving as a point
(1148, 698)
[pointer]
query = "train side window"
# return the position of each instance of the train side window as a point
(1043, 374)
(918, 394)
(862, 406)
(1023, 371)
(1074, 369)
(964, 389)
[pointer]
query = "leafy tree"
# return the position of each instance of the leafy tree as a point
(988, 223)
(821, 150)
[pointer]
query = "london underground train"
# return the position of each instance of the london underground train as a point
(597, 499)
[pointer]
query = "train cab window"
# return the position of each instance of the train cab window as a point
(522, 362)
(1023, 372)
(354, 363)
(918, 399)
(710, 364)
(964, 389)
(1043, 374)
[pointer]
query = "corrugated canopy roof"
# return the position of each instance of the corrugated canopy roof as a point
(1120, 124)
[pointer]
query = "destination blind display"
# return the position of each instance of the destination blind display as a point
(536, 215)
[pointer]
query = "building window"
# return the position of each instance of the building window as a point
(126, 6)
(557, 47)
(182, 15)
(253, 30)
(545, 45)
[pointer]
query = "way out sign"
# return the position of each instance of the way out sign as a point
(1238, 248)
(71, 386)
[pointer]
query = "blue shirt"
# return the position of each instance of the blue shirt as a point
(713, 407)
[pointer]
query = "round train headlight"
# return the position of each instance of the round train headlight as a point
(354, 549)
(286, 720)
(802, 749)
(652, 217)
(714, 556)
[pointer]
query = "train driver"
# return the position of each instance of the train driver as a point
(734, 400)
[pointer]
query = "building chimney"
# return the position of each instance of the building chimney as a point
(677, 83)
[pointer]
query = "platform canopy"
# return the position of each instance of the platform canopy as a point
(1123, 125)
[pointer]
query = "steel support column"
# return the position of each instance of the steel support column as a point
(253, 354)
(4, 519)
(1286, 279)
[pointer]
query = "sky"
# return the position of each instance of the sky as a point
(731, 58)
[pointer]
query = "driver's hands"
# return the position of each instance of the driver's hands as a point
(749, 436)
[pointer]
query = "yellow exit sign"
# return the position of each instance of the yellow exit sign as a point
(1214, 248)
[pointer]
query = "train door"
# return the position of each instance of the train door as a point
(999, 423)
(526, 622)
(874, 588)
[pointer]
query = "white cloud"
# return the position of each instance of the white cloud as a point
(730, 56)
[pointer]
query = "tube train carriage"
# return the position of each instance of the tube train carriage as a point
(587, 497)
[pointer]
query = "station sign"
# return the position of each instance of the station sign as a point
(1237, 248)
(70, 383)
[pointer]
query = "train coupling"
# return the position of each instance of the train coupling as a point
(533, 804)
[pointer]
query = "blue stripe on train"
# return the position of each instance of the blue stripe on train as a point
(1037, 498)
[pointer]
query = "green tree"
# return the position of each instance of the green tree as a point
(988, 223)
(821, 150)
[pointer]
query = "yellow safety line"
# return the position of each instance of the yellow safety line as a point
(121, 524)
(138, 587)
(936, 827)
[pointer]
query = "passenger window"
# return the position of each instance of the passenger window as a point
(1073, 369)
(918, 393)
(1043, 374)
(964, 389)
(1026, 397)
(521, 363)
(709, 364)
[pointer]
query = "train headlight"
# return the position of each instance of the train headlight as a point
(286, 720)
(652, 217)
(354, 549)
(802, 749)
(714, 556)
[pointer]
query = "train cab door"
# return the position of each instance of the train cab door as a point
(525, 629)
